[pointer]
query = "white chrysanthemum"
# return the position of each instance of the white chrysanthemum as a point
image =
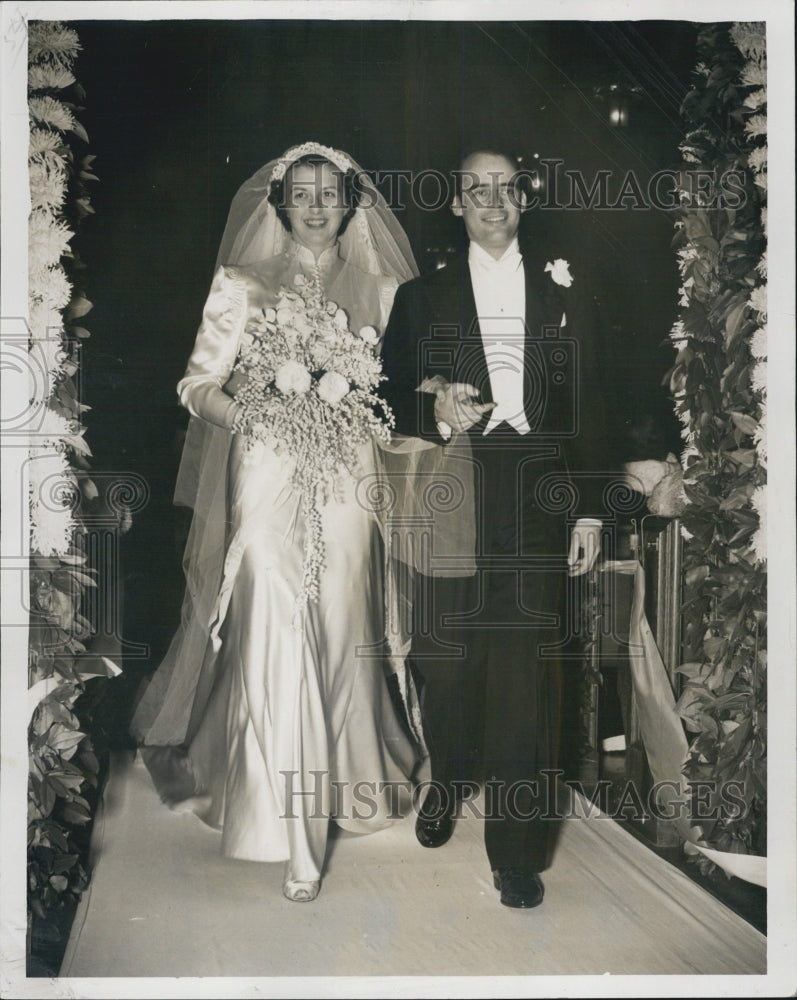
(44, 140)
(762, 266)
(51, 356)
(750, 39)
(754, 75)
(756, 126)
(686, 256)
(760, 436)
(758, 343)
(758, 377)
(51, 531)
(690, 451)
(51, 112)
(759, 542)
(758, 159)
(53, 161)
(46, 322)
(47, 188)
(758, 300)
(52, 429)
(50, 41)
(757, 99)
(678, 335)
(701, 69)
(48, 239)
(51, 286)
(45, 469)
(49, 78)
(684, 290)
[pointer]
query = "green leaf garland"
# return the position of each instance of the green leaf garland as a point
(719, 387)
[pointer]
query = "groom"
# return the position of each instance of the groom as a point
(505, 344)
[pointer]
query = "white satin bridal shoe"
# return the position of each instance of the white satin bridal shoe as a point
(298, 891)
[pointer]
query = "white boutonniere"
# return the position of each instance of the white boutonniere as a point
(560, 272)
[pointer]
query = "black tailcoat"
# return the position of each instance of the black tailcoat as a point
(491, 658)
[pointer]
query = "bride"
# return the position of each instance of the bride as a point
(270, 712)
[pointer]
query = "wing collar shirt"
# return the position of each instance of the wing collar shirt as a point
(499, 288)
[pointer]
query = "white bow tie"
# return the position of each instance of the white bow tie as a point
(506, 265)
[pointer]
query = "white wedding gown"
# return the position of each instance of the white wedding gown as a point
(289, 726)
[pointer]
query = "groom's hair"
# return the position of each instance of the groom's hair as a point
(278, 192)
(461, 169)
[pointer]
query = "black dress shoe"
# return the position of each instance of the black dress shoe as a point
(435, 822)
(519, 889)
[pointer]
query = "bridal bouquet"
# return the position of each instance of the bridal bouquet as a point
(307, 387)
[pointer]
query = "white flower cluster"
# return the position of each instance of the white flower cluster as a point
(750, 38)
(52, 44)
(51, 52)
(759, 542)
(678, 335)
(760, 436)
(758, 301)
(307, 387)
(758, 343)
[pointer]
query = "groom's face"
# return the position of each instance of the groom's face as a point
(488, 204)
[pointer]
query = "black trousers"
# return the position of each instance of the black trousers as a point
(488, 647)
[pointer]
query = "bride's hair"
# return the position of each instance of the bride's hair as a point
(351, 196)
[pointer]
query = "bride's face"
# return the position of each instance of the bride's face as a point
(314, 204)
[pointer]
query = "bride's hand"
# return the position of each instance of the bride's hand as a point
(458, 406)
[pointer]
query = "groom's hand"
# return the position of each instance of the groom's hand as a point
(457, 405)
(585, 546)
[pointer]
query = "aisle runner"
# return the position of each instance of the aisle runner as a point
(163, 902)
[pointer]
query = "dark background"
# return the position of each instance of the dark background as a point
(180, 113)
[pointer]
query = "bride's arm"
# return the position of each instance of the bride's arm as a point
(387, 292)
(215, 349)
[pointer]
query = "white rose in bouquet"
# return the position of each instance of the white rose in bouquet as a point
(302, 325)
(341, 319)
(292, 379)
(332, 387)
(284, 315)
(369, 335)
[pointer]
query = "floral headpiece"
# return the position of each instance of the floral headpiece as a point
(296, 152)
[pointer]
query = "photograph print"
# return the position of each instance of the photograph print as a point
(387, 463)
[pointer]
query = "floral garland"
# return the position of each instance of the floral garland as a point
(719, 386)
(61, 759)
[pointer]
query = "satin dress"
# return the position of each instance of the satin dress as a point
(298, 726)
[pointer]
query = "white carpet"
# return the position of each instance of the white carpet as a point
(163, 902)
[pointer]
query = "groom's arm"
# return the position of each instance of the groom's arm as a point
(588, 451)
